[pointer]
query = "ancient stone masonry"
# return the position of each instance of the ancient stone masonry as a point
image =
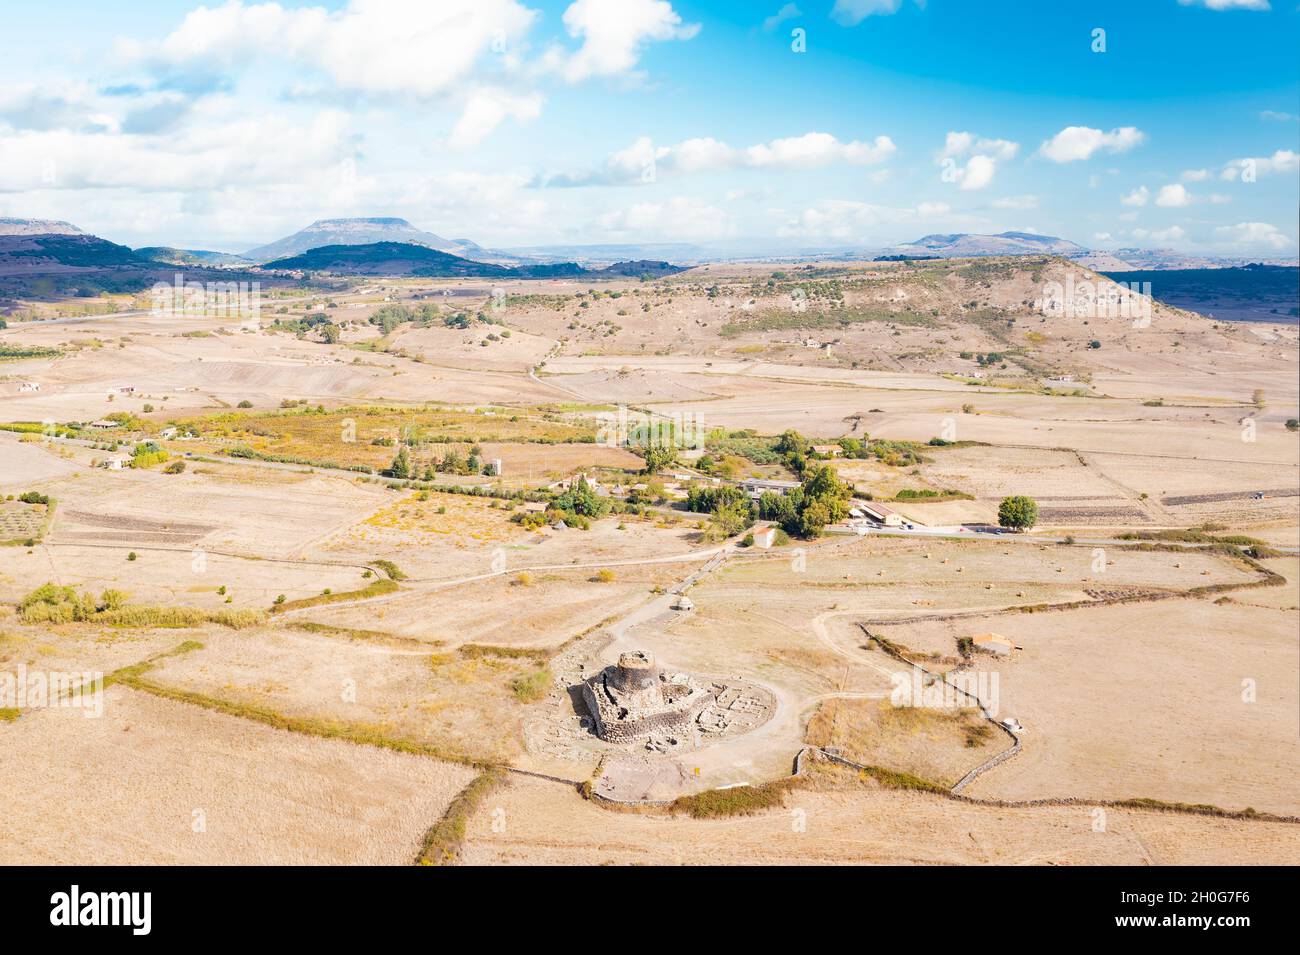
(635, 700)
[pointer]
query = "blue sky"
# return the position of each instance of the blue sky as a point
(768, 124)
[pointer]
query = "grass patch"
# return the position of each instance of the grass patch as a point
(475, 651)
(8, 714)
(376, 589)
(532, 686)
(894, 779)
(833, 319)
(1199, 808)
(391, 570)
(360, 733)
(443, 841)
(1193, 535)
(52, 604)
(353, 633)
(736, 801)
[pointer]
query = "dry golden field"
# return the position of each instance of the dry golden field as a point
(420, 627)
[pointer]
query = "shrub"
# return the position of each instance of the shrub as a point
(174, 467)
(531, 687)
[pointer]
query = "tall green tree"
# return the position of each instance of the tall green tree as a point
(401, 466)
(1018, 513)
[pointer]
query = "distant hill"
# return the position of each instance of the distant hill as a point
(387, 258)
(369, 231)
(28, 254)
(403, 258)
(9, 226)
(199, 257)
(966, 245)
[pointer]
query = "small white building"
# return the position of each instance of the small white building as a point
(765, 537)
(116, 462)
(881, 514)
(683, 602)
(755, 487)
(830, 450)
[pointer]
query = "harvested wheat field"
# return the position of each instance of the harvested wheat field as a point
(547, 824)
(163, 782)
(1176, 700)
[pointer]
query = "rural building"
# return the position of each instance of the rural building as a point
(993, 642)
(830, 450)
(755, 487)
(881, 514)
(116, 462)
(101, 423)
(765, 537)
(684, 603)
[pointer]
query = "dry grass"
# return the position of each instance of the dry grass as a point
(444, 840)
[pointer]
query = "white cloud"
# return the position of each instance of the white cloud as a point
(1080, 142)
(1101, 237)
(818, 149)
(845, 220)
(1173, 196)
(982, 164)
(614, 31)
(384, 47)
(1227, 4)
(787, 12)
(219, 151)
(1195, 175)
(457, 51)
(978, 172)
(678, 218)
(1172, 234)
(1138, 197)
(852, 12)
(1255, 234)
(957, 145)
(643, 161)
(1284, 160)
(1277, 117)
(1016, 202)
(486, 109)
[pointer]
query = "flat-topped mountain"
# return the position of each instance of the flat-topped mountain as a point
(386, 258)
(369, 231)
(404, 258)
(966, 244)
(14, 226)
